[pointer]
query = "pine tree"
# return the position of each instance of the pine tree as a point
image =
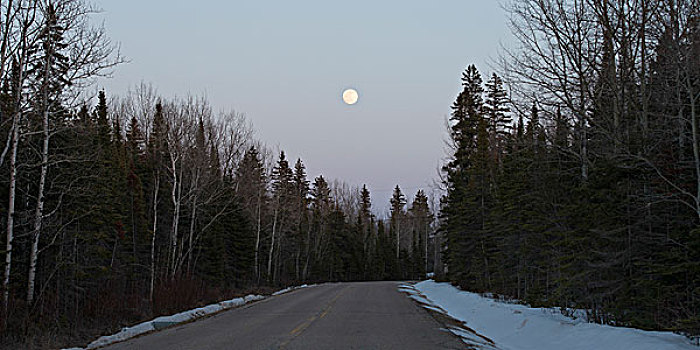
(365, 223)
(497, 112)
(321, 203)
(458, 206)
(49, 66)
(301, 233)
(421, 218)
(282, 190)
(398, 202)
(251, 189)
(157, 148)
(135, 139)
(101, 119)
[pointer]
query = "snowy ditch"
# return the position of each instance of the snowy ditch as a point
(162, 322)
(488, 324)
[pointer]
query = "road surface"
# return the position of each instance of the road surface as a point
(363, 315)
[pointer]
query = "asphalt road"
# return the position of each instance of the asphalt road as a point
(363, 315)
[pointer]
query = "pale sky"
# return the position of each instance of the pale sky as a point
(285, 64)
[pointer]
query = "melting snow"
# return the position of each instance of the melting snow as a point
(514, 326)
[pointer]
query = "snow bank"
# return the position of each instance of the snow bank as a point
(148, 326)
(514, 326)
(185, 316)
(289, 289)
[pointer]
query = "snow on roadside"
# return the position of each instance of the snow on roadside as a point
(288, 289)
(514, 326)
(185, 316)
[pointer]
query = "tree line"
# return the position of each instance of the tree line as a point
(590, 198)
(117, 209)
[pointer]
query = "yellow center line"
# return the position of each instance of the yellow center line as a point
(324, 313)
(304, 325)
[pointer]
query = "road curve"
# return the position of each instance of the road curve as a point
(362, 315)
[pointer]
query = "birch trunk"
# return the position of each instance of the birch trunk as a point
(153, 238)
(193, 217)
(272, 243)
(11, 198)
(39, 212)
(257, 239)
(10, 215)
(175, 196)
(192, 226)
(305, 272)
(696, 139)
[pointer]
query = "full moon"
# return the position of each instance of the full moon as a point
(350, 96)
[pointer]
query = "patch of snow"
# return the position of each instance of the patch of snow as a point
(250, 297)
(407, 290)
(514, 326)
(473, 338)
(282, 291)
(433, 308)
(124, 334)
(289, 289)
(421, 299)
(227, 304)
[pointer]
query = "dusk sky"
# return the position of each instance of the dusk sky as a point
(285, 64)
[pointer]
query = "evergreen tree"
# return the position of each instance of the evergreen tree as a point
(365, 227)
(398, 202)
(101, 119)
(135, 139)
(421, 219)
(49, 66)
(459, 219)
(301, 232)
(321, 205)
(251, 189)
(282, 192)
(497, 112)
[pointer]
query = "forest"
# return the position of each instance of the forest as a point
(574, 179)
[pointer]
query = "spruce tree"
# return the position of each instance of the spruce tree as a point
(301, 234)
(458, 219)
(398, 202)
(421, 219)
(497, 112)
(282, 192)
(251, 189)
(365, 223)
